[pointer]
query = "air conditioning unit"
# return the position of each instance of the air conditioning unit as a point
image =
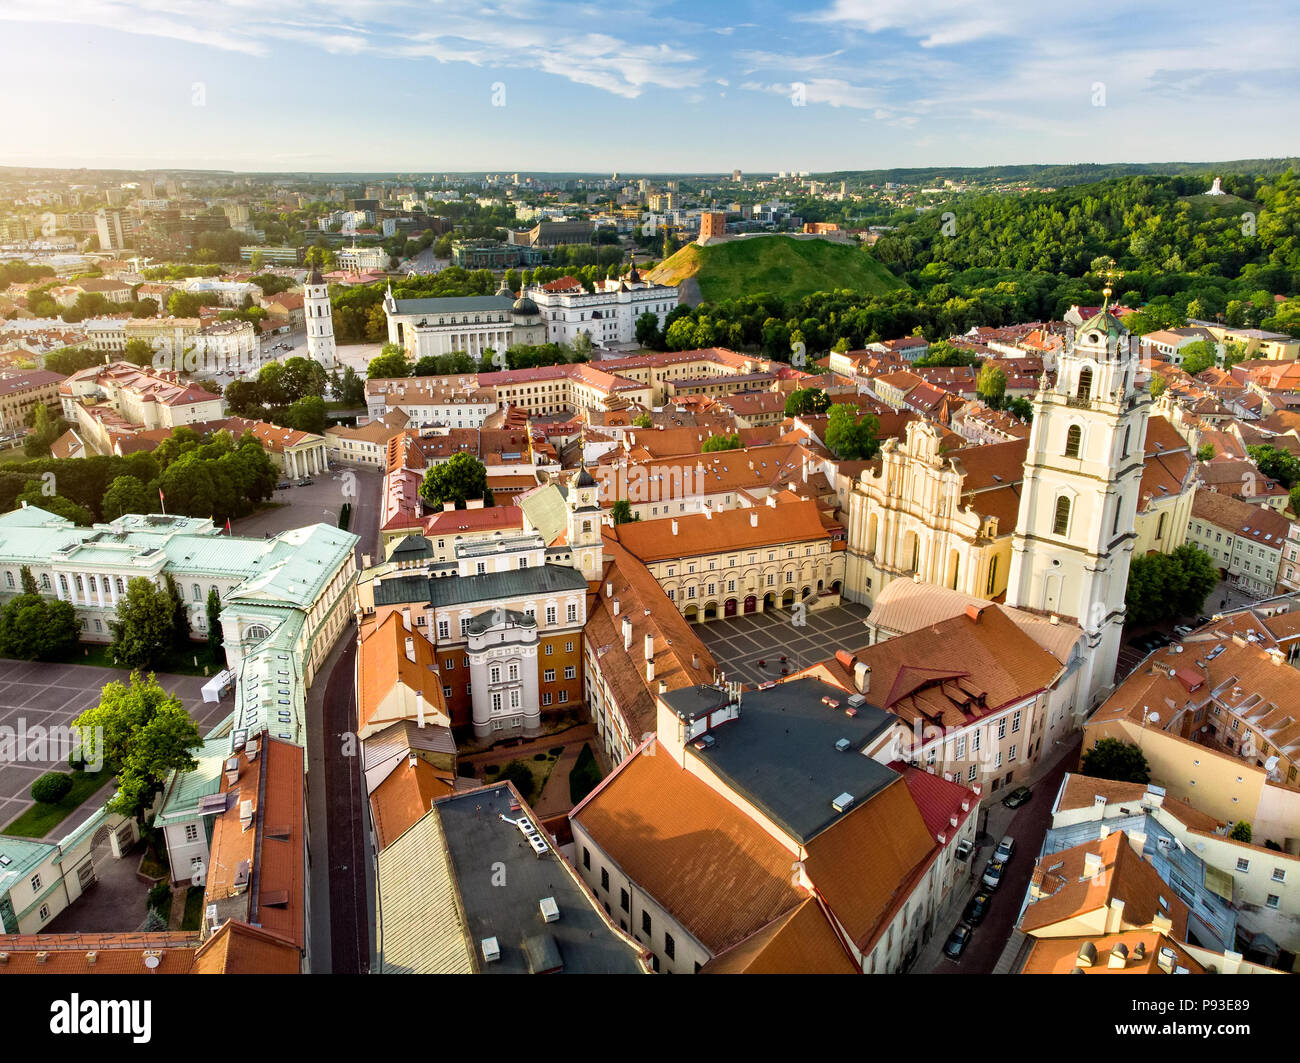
(491, 950)
(550, 910)
(843, 802)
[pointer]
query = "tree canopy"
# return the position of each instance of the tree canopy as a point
(459, 479)
(1112, 759)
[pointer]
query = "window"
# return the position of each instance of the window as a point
(670, 946)
(1061, 525)
(1243, 864)
(9, 579)
(570, 672)
(191, 832)
(198, 593)
(998, 763)
(549, 675)
(604, 878)
(464, 626)
(1015, 721)
(1011, 754)
(1279, 874)
(546, 699)
(496, 702)
(1273, 901)
(494, 675)
(550, 649)
(573, 613)
(961, 747)
(645, 921)
(44, 913)
(1084, 390)
(971, 774)
(1072, 440)
(551, 614)
(446, 692)
(1002, 728)
(36, 883)
(444, 629)
(624, 901)
(564, 696)
(568, 647)
(586, 858)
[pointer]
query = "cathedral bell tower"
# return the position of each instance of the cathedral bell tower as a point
(1074, 536)
(320, 320)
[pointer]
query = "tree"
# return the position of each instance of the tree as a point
(215, 637)
(144, 733)
(256, 260)
(806, 400)
(34, 495)
(1241, 832)
(648, 332)
(27, 580)
(32, 627)
(145, 626)
(1113, 759)
(622, 512)
(642, 420)
(1205, 452)
(1198, 356)
(849, 437)
(991, 385)
(1158, 385)
(721, 442)
(1161, 586)
(1279, 465)
(460, 478)
(126, 494)
(518, 773)
(389, 363)
(180, 616)
(138, 352)
(1022, 408)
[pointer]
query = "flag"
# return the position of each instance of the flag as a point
(161, 496)
(228, 531)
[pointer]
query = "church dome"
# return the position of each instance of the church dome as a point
(524, 305)
(504, 290)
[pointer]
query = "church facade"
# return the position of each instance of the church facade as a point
(1048, 525)
(470, 325)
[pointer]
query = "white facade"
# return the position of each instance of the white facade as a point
(608, 316)
(320, 321)
(1083, 474)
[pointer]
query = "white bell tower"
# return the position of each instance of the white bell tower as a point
(584, 526)
(320, 320)
(1083, 473)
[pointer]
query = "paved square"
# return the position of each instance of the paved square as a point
(35, 694)
(738, 643)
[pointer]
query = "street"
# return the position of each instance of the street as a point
(1027, 824)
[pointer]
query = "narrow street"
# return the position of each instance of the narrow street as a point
(1027, 824)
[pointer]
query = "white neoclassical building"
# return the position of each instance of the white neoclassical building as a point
(608, 315)
(470, 325)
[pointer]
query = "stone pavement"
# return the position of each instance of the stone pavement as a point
(738, 643)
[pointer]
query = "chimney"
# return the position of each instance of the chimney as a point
(708, 514)
(609, 590)
(410, 649)
(771, 501)
(862, 677)
(674, 525)
(250, 751)
(974, 612)
(616, 607)
(449, 507)
(245, 814)
(419, 708)
(663, 687)
(650, 670)
(1092, 865)
(649, 647)
(1231, 963)
(627, 634)
(1166, 959)
(232, 771)
(1114, 916)
(406, 621)
(695, 660)
(753, 519)
(1162, 924)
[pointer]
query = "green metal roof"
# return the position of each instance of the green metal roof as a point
(23, 856)
(184, 788)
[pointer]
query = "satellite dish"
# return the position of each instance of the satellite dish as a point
(151, 961)
(1270, 765)
(1154, 717)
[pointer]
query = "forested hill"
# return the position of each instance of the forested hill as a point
(1149, 225)
(1061, 176)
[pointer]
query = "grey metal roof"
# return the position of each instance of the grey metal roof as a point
(781, 753)
(465, 304)
(480, 842)
(491, 586)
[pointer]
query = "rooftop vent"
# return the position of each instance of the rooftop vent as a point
(843, 802)
(550, 910)
(491, 950)
(843, 745)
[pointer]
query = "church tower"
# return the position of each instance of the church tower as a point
(320, 320)
(1083, 473)
(584, 526)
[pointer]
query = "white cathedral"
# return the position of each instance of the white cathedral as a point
(1048, 522)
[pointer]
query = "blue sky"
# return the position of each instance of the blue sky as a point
(642, 85)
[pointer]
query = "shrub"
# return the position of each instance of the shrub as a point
(466, 770)
(517, 772)
(51, 788)
(556, 751)
(539, 756)
(158, 894)
(585, 776)
(153, 922)
(1241, 832)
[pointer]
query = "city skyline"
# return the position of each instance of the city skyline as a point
(650, 88)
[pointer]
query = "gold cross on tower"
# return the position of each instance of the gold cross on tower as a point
(1111, 275)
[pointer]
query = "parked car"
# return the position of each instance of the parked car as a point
(1182, 630)
(977, 908)
(993, 873)
(1005, 848)
(307, 482)
(957, 941)
(282, 485)
(1018, 797)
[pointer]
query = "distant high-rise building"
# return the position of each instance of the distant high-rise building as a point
(111, 230)
(735, 175)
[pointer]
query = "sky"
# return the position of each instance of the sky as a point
(652, 86)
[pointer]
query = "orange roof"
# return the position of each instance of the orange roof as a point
(800, 942)
(1122, 874)
(383, 661)
(1140, 956)
(864, 864)
(406, 795)
(237, 948)
(714, 869)
(732, 529)
(110, 953)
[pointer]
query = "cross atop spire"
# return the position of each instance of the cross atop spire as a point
(1111, 274)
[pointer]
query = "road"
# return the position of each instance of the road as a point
(347, 846)
(1028, 824)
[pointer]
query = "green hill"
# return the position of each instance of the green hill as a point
(781, 265)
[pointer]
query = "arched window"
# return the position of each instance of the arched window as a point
(1084, 390)
(993, 576)
(1061, 525)
(1127, 432)
(1072, 440)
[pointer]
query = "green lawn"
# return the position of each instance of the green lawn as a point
(178, 662)
(777, 264)
(13, 454)
(40, 819)
(193, 919)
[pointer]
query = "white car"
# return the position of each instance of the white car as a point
(1005, 848)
